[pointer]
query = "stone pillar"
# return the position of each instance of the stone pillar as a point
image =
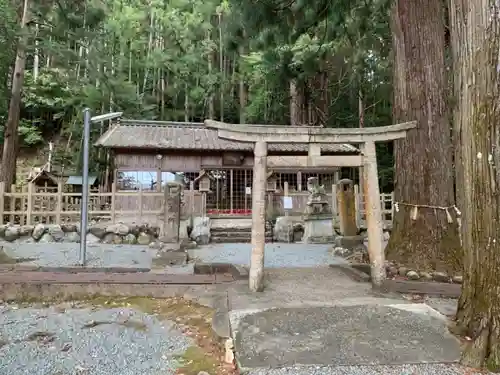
(347, 207)
(256, 274)
(373, 215)
(171, 213)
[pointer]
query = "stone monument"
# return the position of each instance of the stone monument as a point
(349, 238)
(318, 226)
(170, 232)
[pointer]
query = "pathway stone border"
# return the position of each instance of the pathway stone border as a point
(361, 272)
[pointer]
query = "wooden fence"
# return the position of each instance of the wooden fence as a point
(30, 205)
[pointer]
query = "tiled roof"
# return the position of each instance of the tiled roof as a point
(190, 136)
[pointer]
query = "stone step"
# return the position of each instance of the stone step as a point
(237, 234)
(235, 239)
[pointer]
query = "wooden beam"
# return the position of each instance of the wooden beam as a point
(309, 134)
(314, 162)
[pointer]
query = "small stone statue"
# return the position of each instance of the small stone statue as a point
(317, 202)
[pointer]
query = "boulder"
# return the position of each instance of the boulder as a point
(392, 271)
(201, 230)
(441, 277)
(112, 238)
(457, 279)
(56, 232)
(425, 276)
(130, 239)
(46, 238)
(71, 237)
(26, 230)
(403, 271)
(98, 230)
(119, 228)
(134, 229)
(38, 231)
(11, 233)
(143, 238)
(68, 228)
(412, 275)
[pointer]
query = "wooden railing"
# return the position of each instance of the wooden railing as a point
(30, 205)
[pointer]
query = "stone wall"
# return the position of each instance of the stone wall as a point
(99, 232)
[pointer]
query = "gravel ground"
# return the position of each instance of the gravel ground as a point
(67, 254)
(52, 341)
(101, 255)
(427, 369)
(277, 255)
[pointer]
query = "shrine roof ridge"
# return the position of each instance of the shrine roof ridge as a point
(172, 135)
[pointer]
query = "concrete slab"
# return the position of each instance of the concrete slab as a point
(342, 335)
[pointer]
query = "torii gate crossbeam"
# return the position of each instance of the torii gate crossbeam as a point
(261, 135)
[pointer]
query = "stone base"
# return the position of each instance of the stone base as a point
(318, 231)
(288, 229)
(350, 242)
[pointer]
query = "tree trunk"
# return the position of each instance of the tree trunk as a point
(9, 156)
(475, 45)
(425, 233)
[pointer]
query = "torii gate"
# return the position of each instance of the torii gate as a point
(314, 136)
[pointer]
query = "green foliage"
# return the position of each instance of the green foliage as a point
(163, 61)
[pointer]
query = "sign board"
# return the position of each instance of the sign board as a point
(248, 190)
(287, 203)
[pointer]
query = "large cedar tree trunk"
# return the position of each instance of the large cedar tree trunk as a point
(9, 156)
(423, 161)
(476, 45)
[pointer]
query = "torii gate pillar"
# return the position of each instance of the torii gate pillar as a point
(261, 135)
(256, 274)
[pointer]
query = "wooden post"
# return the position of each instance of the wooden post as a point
(358, 203)
(2, 201)
(299, 181)
(231, 192)
(392, 208)
(191, 202)
(373, 215)
(113, 202)
(256, 274)
(29, 205)
(59, 201)
(140, 203)
(245, 186)
(12, 199)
